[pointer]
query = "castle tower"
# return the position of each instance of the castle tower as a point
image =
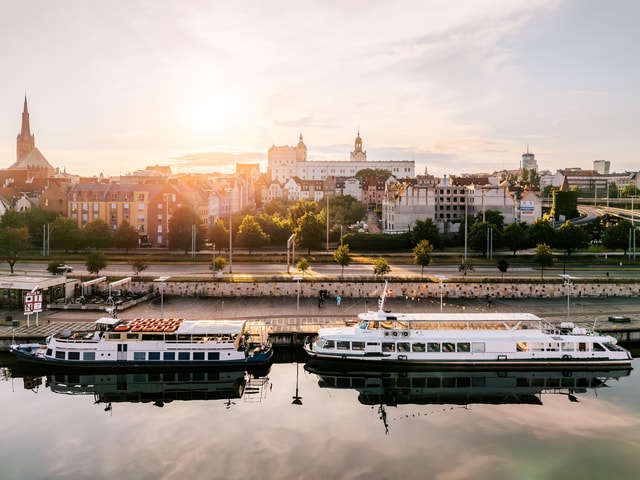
(26, 142)
(358, 155)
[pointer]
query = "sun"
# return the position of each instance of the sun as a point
(211, 112)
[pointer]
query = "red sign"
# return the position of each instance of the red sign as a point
(33, 302)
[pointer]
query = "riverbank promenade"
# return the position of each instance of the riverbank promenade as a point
(289, 319)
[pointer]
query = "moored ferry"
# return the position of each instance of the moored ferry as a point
(463, 340)
(165, 343)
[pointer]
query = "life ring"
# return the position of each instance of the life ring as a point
(406, 334)
(386, 334)
(395, 334)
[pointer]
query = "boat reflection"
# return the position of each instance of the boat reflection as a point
(157, 387)
(497, 387)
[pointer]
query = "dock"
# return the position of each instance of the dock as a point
(289, 321)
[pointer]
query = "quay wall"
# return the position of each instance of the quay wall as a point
(409, 289)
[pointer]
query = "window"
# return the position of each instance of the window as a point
(448, 347)
(388, 347)
(90, 356)
(198, 355)
(433, 347)
(329, 344)
(213, 356)
(154, 355)
(139, 355)
(403, 347)
(184, 356)
(343, 345)
(74, 356)
(477, 347)
(169, 356)
(357, 345)
(463, 347)
(113, 336)
(418, 347)
(60, 355)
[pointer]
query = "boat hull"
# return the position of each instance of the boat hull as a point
(27, 358)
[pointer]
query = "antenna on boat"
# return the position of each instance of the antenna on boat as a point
(383, 298)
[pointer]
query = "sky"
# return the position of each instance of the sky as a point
(461, 86)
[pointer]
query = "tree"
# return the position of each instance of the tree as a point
(125, 236)
(489, 216)
(219, 263)
(381, 267)
(299, 209)
(342, 257)
(97, 234)
(251, 235)
(478, 236)
(503, 265)
(543, 257)
(278, 229)
(139, 265)
(181, 229)
(514, 237)
(617, 236)
(13, 241)
(303, 265)
(55, 267)
(570, 237)
(422, 255)
(426, 230)
(309, 232)
(66, 235)
(541, 232)
(465, 267)
(218, 235)
(96, 261)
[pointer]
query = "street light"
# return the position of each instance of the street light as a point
(567, 283)
(161, 280)
(297, 278)
(441, 278)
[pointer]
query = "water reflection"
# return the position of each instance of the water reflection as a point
(157, 388)
(460, 388)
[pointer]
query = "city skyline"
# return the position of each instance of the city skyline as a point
(458, 87)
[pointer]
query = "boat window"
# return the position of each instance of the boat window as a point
(478, 347)
(330, 344)
(357, 345)
(132, 336)
(49, 352)
(388, 347)
(582, 347)
(463, 347)
(568, 346)
(598, 348)
(139, 355)
(213, 356)
(342, 345)
(433, 347)
(169, 356)
(154, 355)
(613, 347)
(364, 325)
(403, 347)
(448, 347)
(521, 347)
(74, 355)
(113, 336)
(198, 355)
(88, 356)
(553, 347)
(418, 347)
(60, 355)
(184, 355)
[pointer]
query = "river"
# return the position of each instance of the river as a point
(292, 422)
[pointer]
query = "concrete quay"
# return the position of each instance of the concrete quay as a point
(289, 319)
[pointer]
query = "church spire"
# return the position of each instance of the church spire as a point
(26, 141)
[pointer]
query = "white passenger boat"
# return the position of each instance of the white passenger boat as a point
(463, 340)
(151, 343)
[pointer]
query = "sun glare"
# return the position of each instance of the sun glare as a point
(211, 112)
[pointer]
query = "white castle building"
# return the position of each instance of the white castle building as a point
(285, 162)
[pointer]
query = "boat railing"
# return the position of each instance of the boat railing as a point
(453, 324)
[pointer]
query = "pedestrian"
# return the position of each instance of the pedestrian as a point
(338, 300)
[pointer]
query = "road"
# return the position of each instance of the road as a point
(352, 271)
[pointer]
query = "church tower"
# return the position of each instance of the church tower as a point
(26, 142)
(358, 155)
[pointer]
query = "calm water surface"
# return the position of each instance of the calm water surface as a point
(290, 423)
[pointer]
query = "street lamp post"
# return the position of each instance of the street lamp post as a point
(297, 278)
(568, 284)
(441, 279)
(161, 280)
